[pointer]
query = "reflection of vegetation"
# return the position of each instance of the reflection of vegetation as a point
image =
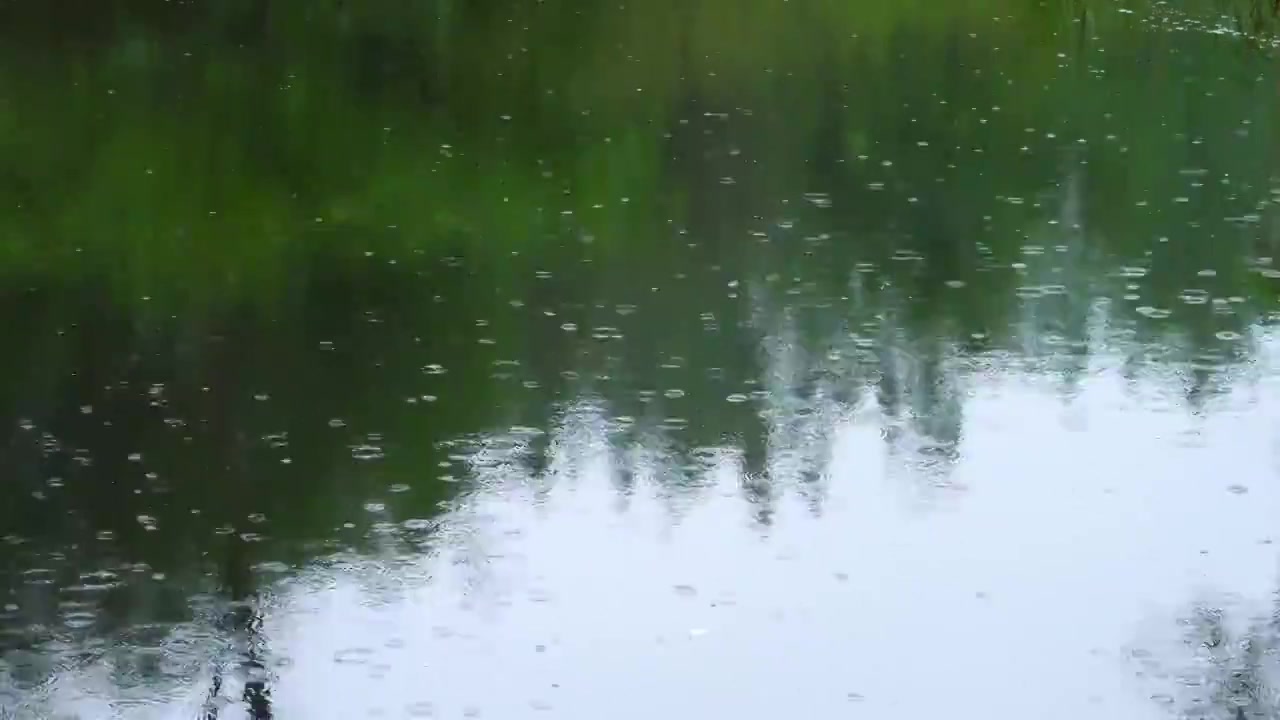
(243, 621)
(447, 142)
(1235, 672)
(371, 120)
(223, 226)
(1254, 20)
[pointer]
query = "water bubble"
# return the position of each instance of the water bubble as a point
(79, 619)
(1193, 296)
(367, 452)
(38, 576)
(353, 656)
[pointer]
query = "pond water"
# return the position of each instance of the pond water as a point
(568, 359)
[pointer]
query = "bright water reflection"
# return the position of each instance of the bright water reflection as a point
(1018, 587)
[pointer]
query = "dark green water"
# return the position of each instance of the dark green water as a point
(771, 358)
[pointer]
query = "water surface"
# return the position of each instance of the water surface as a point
(518, 359)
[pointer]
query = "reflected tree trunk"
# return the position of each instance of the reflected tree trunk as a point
(243, 623)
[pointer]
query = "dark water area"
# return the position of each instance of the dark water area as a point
(776, 358)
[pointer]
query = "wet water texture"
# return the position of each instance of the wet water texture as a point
(754, 359)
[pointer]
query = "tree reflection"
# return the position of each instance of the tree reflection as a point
(1236, 669)
(242, 623)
